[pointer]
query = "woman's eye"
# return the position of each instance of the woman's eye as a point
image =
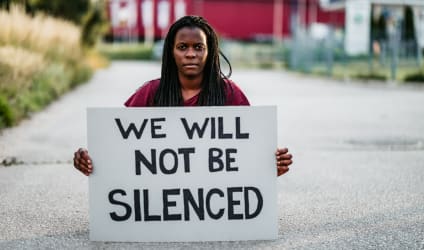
(181, 47)
(199, 47)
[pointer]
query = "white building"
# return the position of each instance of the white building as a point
(358, 17)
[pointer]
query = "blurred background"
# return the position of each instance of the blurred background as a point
(48, 47)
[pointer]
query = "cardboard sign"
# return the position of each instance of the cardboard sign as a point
(182, 174)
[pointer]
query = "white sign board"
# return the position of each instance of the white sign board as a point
(182, 174)
(123, 13)
(147, 13)
(163, 13)
(179, 9)
(419, 25)
(357, 39)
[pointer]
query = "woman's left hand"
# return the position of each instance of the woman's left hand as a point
(284, 160)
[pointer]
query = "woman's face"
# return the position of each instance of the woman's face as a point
(190, 52)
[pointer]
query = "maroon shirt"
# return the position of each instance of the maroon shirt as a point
(143, 97)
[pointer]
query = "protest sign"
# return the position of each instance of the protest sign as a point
(182, 174)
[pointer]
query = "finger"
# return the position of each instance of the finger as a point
(281, 173)
(83, 167)
(284, 163)
(285, 157)
(282, 168)
(281, 151)
(79, 164)
(85, 162)
(85, 157)
(76, 156)
(77, 161)
(87, 168)
(84, 153)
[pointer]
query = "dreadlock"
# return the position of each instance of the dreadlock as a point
(213, 85)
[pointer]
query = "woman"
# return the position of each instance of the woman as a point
(191, 76)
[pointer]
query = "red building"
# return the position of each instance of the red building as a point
(233, 19)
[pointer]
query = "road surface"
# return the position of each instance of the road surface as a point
(357, 181)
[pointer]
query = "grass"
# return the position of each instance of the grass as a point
(239, 54)
(415, 77)
(253, 55)
(53, 38)
(40, 59)
(360, 69)
(126, 51)
(265, 55)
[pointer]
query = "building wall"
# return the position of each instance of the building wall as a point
(236, 19)
(244, 20)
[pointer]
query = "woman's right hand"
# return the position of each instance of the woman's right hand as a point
(82, 161)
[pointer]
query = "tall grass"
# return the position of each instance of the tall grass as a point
(19, 65)
(40, 58)
(48, 36)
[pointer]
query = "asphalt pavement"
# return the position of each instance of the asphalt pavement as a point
(357, 181)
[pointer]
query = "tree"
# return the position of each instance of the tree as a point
(94, 24)
(73, 10)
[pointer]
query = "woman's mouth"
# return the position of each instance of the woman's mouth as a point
(190, 66)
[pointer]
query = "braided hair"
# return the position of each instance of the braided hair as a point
(213, 92)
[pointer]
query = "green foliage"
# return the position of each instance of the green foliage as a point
(94, 25)
(417, 77)
(5, 4)
(45, 87)
(31, 77)
(126, 51)
(81, 73)
(6, 114)
(90, 16)
(371, 76)
(70, 10)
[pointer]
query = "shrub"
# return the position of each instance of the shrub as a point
(6, 114)
(40, 59)
(18, 65)
(416, 77)
(53, 38)
(371, 76)
(126, 51)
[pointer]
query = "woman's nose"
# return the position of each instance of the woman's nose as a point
(190, 52)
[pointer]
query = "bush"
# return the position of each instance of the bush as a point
(126, 51)
(6, 114)
(54, 39)
(40, 59)
(94, 25)
(416, 77)
(371, 76)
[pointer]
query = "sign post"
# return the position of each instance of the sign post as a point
(182, 174)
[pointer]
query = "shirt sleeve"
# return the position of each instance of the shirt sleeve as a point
(235, 96)
(143, 97)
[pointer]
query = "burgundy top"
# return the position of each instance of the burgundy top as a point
(143, 97)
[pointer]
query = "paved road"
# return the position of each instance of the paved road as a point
(357, 181)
